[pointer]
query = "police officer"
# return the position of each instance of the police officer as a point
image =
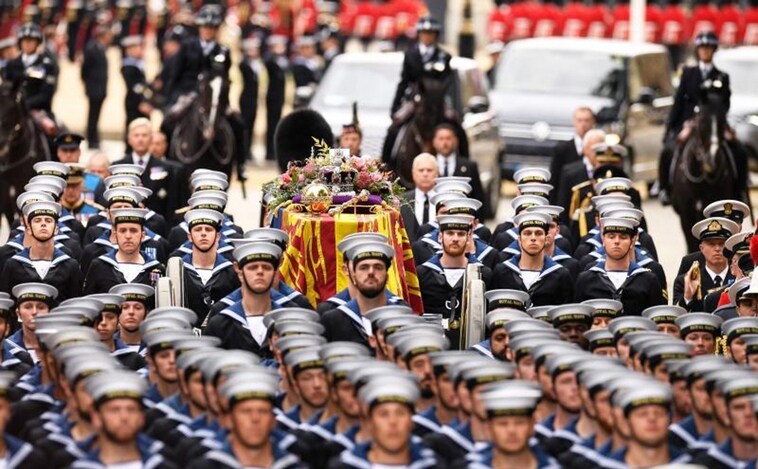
(251, 67)
(127, 263)
(41, 261)
(687, 97)
(94, 73)
(426, 58)
(306, 69)
(277, 66)
(37, 70)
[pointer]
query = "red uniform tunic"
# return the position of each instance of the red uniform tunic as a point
(576, 18)
(750, 36)
(730, 25)
(704, 18)
(500, 24)
(675, 25)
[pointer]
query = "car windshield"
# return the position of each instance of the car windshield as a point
(742, 75)
(560, 71)
(371, 85)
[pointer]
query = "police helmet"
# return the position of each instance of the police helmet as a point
(209, 15)
(428, 23)
(706, 39)
(29, 31)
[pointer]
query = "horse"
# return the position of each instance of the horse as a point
(704, 169)
(21, 145)
(407, 139)
(203, 136)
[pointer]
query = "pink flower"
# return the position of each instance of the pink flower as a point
(301, 178)
(286, 178)
(358, 163)
(376, 177)
(363, 180)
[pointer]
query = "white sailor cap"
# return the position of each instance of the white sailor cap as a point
(395, 388)
(625, 324)
(189, 361)
(210, 199)
(46, 180)
(664, 314)
(498, 318)
(390, 324)
(605, 308)
(462, 206)
(340, 350)
(111, 302)
(743, 384)
(444, 359)
(613, 185)
(506, 298)
(571, 313)
(371, 250)
(557, 364)
(132, 169)
(304, 359)
(203, 172)
(80, 367)
(129, 195)
(354, 239)
(599, 338)
(731, 209)
(289, 314)
(532, 174)
(455, 222)
(33, 196)
(449, 184)
(209, 182)
(488, 371)
(285, 345)
(225, 361)
(630, 213)
(33, 291)
(122, 180)
(202, 216)
(249, 385)
(162, 339)
(71, 335)
(532, 220)
(421, 343)
(511, 398)
(540, 312)
(133, 292)
(656, 353)
(42, 209)
(297, 327)
(129, 215)
(699, 322)
(182, 346)
(376, 314)
(176, 312)
(619, 225)
(51, 168)
(527, 325)
(257, 251)
(553, 210)
(274, 235)
(110, 385)
(714, 228)
(523, 202)
(653, 393)
(535, 188)
(599, 201)
(341, 368)
(738, 327)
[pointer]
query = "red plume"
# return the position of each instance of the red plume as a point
(754, 247)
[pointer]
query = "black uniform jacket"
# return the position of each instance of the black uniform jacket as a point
(200, 296)
(688, 95)
(104, 273)
(39, 79)
(554, 285)
(639, 291)
(414, 67)
(63, 274)
(707, 285)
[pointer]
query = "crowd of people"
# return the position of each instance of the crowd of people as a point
(587, 360)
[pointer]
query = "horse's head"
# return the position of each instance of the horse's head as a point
(711, 116)
(12, 113)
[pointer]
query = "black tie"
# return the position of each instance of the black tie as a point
(444, 169)
(717, 280)
(425, 216)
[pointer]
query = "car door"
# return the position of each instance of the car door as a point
(651, 98)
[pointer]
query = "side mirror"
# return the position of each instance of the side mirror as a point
(303, 95)
(646, 97)
(478, 104)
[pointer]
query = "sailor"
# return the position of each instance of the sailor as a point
(32, 300)
(208, 276)
(665, 318)
(240, 326)
(73, 200)
(444, 411)
(700, 330)
(734, 330)
(572, 321)
(20, 453)
(618, 276)
(369, 263)
(126, 264)
(41, 261)
(138, 300)
(306, 376)
(546, 281)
